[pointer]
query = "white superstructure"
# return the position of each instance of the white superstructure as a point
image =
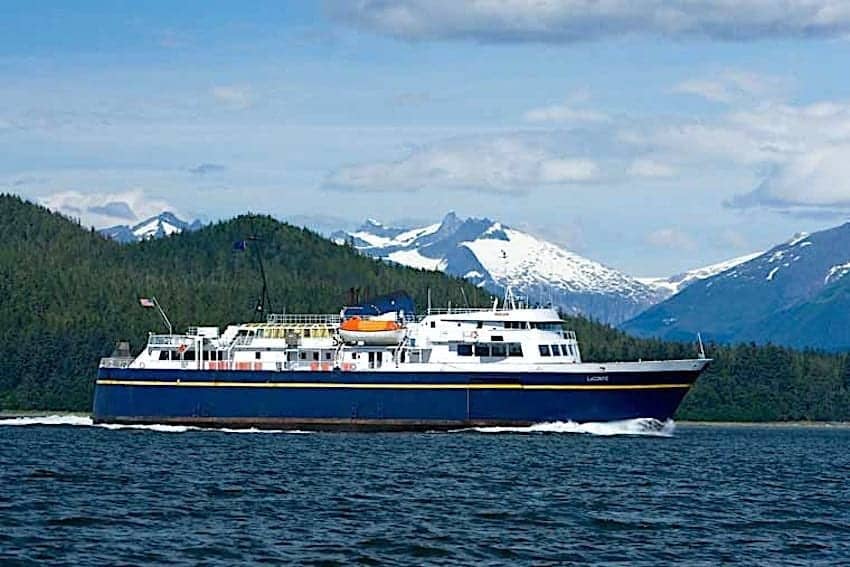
(514, 339)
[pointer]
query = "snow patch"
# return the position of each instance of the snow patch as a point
(798, 238)
(675, 284)
(372, 239)
(772, 273)
(414, 259)
(836, 272)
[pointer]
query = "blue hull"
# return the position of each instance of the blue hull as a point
(381, 400)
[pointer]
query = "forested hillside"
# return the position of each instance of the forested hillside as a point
(67, 294)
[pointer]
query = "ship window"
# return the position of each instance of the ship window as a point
(189, 355)
(565, 350)
(257, 355)
(556, 351)
(327, 356)
(514, 349)
(302, 356)
(544, 350)
(306, 333)
(482, 350)
(499, 350)
(479, 325)
(464, 350)
(433, 324)
(315, 355)
(496, 338)
(163, 355)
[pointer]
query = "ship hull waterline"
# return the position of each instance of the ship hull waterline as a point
(375, 400)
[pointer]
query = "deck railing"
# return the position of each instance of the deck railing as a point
(115, 362)
(302, 319)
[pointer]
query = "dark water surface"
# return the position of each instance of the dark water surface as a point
(706, 495)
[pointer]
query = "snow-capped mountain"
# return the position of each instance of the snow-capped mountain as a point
(674, 284)
(796, 294)
(163, 224)
(495, 256)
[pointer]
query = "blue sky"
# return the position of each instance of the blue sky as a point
(653, 137)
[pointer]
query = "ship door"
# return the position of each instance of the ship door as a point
(371, 360)
(379, 359)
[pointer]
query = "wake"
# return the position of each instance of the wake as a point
(642, 426)
(83, 421)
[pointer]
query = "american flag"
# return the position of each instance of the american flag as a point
(145, 302)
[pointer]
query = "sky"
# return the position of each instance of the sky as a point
(652, 136)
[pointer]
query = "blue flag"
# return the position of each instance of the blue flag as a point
(240, 246)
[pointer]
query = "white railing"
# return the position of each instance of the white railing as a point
(303, 319)
(115, 362)
(500, 309)
(169, 340)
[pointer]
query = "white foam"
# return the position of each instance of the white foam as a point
(646, 426)
(78, 420)
(84, 421)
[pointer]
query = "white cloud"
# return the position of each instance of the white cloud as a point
(506, 164)
(818, 178)
(671, 238)
(731, 86)
(643, 167)
(568, 170)
(237, 97)
(564, 113)
(580, 20)
(105, 209)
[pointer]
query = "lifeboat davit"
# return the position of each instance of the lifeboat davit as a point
(371, 331)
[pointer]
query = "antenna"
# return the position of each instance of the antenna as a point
(264, 300)
(701, 348)
(163, 315)
(429, 301)
(463, 293)
(509, 294)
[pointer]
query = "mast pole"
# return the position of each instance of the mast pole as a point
(163, 315)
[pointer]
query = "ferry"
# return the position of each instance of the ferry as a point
(377, 365)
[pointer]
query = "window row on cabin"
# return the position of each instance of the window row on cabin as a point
(512, 325)
(532, 325)
(558, 350)
(167, 354)
(490, 349)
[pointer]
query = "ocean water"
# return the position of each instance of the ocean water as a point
(636, 493)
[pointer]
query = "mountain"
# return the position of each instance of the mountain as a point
(163, 224)
(494, 256)
(794, 294)
(674, 284)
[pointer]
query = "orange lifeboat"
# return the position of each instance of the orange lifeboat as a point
(371, 331)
